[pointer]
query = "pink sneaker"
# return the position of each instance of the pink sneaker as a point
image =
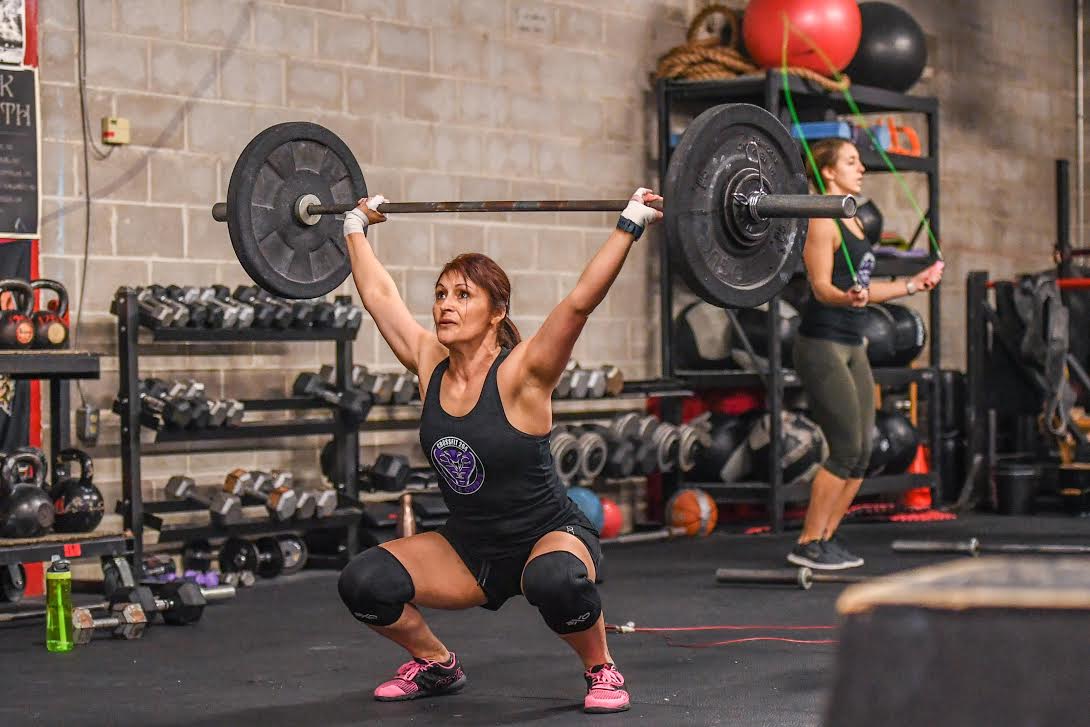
(422, 678)
(605, 692)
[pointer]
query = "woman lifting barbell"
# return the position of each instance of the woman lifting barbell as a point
(485, 426)
(831, 357)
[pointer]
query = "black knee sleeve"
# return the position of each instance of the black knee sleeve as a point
(376, 587)
(558, 584)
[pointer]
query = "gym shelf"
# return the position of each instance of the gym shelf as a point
(679, 99)
(82, 545)
(249, 335)
(343, 427)
(344, 517)
(49, 364)
(256, 430)
(757, 492)
(892, 377)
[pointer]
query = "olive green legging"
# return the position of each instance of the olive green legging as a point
(840, 387)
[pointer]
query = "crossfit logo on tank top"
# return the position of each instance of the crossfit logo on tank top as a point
(866, 268)
(459, 465)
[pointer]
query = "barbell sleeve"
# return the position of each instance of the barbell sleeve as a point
(766, 206)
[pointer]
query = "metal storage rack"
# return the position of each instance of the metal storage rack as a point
(811, 102)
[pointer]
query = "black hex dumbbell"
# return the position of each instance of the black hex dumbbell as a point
(266, 315)
(389, 472)
(563, 388)
(301, 312)
(178, 602)
(280, 503)
(158, 410)
(405, 388)
(231, 310)
(199, 314)
(346, 315)
(350, 400)
(379, 385)
(306, 504)
(181, 312)
(224, 508)
(151, 313)
(245, 310)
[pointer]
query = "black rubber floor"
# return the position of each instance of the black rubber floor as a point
(287, 652)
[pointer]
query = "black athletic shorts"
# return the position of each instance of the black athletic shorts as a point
(501, 577)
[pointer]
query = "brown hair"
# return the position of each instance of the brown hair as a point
(825, 153)
(489, 276)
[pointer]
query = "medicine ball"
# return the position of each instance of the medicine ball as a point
(754, 323)
(589, 503)
(692, 509)
(879, 452)
(892, 49)
(871, 219)
(804, 447)
(702, 337)
(612, 518)
(728, 436)
(879, 335)
(909, 333)
(834, 26)
(903, 440)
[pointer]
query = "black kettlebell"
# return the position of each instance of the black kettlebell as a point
(16, 329)
(78, 503)
(25, 511)
(50, 330)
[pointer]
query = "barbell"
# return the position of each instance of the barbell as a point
(735, 207)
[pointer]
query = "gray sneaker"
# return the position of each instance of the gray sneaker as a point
(836, 545)
(816, 556)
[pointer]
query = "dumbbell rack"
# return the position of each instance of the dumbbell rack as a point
(58, 367)
(345, 431)
(813, 103)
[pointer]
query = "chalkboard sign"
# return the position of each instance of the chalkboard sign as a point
(20, 203)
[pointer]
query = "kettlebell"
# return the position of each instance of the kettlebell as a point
(77, 502)
(16, 330)
(26, 511)
(50, 330)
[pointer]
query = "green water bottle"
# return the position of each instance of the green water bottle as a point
(58, 606)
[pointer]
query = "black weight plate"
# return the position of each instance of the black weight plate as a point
(719, 263)
(280, 165)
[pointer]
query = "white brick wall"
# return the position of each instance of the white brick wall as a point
(471, 99)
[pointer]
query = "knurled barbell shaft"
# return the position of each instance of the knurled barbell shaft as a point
(767, 206)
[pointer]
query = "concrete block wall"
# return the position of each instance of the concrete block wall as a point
(472, 99)
(439, 99)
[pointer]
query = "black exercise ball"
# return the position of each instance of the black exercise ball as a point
(909, 333)
(903, 440)
(871, 219)
(702, 337)
(879, 452)
(754, 322)
(892, 50)
(728, 433)
(879, 334)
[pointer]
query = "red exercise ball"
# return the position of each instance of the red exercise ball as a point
(834, 26)
(612, 519)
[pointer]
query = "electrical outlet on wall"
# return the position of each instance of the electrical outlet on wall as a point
(115, 130)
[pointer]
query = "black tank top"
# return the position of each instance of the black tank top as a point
(499, 483)
(840, 323)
